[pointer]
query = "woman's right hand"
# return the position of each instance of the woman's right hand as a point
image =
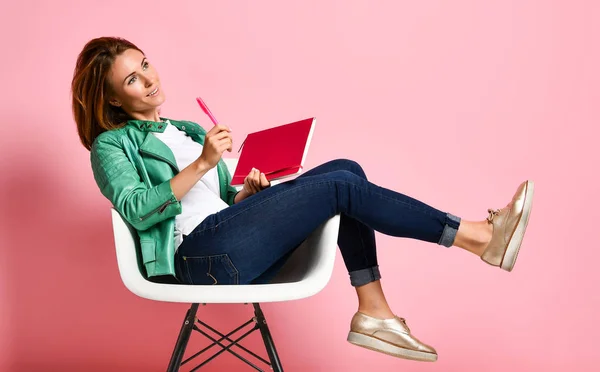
(216, 141)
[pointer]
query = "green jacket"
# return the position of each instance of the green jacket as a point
(133, 170)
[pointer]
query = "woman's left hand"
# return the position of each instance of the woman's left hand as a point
(255, 181)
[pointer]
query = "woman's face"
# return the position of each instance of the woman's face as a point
(136, 86)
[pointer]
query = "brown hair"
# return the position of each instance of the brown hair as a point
(90, 88)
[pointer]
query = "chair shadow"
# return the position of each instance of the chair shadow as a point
(67, 307)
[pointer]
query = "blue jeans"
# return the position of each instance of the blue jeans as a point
(250, 241)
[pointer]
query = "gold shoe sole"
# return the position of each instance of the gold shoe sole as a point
(381, 346)
(512, 251)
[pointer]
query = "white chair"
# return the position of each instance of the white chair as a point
(305, 273)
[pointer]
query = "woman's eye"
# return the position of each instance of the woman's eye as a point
(146, 64)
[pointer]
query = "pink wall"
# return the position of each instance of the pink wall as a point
(454, 103)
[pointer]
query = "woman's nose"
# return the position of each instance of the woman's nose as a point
(150, 79)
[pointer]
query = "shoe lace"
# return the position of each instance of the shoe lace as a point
(492, 214)
(403, 322)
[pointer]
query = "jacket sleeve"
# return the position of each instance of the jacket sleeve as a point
(119, 181)
(231, 190)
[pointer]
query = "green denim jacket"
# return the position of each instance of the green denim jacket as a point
(133, 170)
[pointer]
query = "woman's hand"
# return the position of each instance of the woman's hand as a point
(255, 182)
(216, 141)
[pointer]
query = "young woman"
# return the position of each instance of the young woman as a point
(166, 177)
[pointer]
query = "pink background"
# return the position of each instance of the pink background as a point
(452, 102)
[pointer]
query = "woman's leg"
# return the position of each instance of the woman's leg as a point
(253, 235)
(471, 236)
(351, 230)
(355, 239)
(371, 299)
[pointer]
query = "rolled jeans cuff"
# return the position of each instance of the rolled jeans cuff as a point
(450, 230)
(364, 276)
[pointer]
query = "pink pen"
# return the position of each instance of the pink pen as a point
(206, 110)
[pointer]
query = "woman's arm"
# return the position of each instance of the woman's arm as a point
(241, 195)
(254, 182)
(144, 206)
(119, 182)
(183, 182)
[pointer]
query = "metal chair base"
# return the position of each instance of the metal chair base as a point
(192, 323)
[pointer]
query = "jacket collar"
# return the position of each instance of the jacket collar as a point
(149, 126)
(160, 126)
(155, 147)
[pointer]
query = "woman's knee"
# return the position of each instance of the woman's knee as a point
(344, 176)
(352, 166)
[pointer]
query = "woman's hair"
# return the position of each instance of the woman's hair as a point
(91, 88)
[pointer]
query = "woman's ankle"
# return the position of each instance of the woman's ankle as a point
(372, 302)
(377, 313)
(474, 236)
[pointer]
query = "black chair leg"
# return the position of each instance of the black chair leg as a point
(189, 324)
(182, 340)
(267, 339)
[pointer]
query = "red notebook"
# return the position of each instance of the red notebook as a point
(277, 152)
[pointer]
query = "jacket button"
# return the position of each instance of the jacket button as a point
(160, 127)
(183, 127)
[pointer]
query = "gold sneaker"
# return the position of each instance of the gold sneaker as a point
(389, 336)
(509, 225)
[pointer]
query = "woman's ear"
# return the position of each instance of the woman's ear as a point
(114, 102)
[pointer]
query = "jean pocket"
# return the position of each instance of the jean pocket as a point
(210, 270)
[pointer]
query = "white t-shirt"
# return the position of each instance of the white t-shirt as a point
(204, 197)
